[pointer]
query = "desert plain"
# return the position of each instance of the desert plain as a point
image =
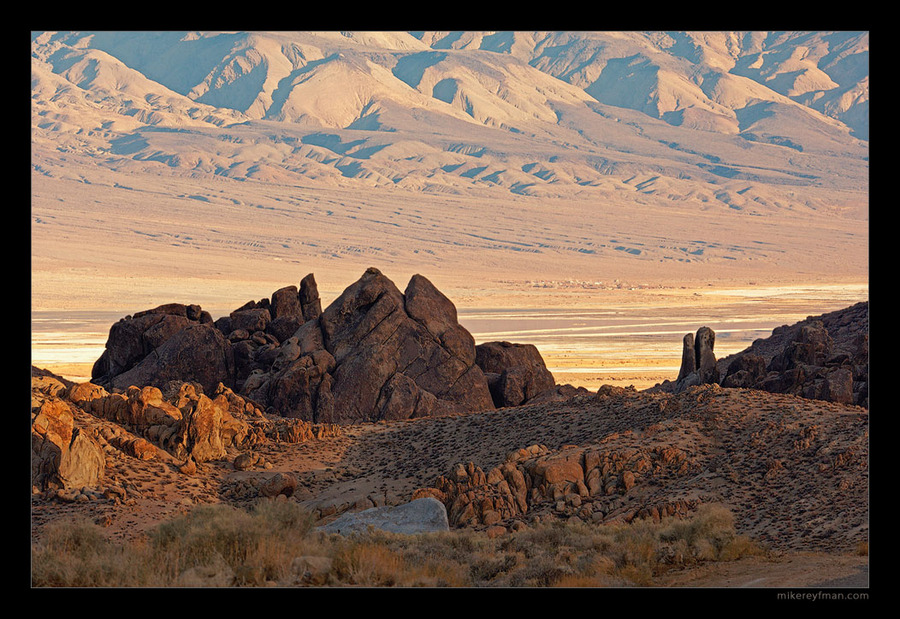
(548, 206)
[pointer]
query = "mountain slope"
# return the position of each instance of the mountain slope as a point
(650, 141)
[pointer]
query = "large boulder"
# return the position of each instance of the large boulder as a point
(516, 372)
(422, 515)
(197, 353)
(392, 359)
(132, 338)
(169, 342)
(63, 456)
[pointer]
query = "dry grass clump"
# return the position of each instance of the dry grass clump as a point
(76, 554)
(274, 544)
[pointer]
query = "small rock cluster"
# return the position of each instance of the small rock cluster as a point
(178, 422)
(588, 483)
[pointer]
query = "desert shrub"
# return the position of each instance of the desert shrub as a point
(284, 517)
(205, 533)
(707, 536)
(439, 559)
(259, 543)
(539, 571)
(368, 564)
(265, 545)
(489, 567)
(77, 554)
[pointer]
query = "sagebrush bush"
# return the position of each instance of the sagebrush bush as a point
(77, 554)
(274, 543)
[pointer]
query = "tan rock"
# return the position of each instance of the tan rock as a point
(562, 466)
(279, 484)
(62, 455)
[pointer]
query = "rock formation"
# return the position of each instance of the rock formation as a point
(823, 358)
(698, 360)
(516, 372)
(374, 353)
(170, 342)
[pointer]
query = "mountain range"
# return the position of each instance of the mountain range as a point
(737, 128)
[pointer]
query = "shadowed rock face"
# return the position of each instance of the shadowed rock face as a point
(516, 372)
(374, 353)
(400, 355)
(822, 358)
(169, 342)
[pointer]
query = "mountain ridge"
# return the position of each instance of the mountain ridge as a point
(265, 63)
(729, 129)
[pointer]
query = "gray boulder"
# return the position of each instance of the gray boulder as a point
(425, 515)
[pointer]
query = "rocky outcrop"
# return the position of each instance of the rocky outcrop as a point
(183, 421)
(399, 355)
(170, 342)
(823, 358)
(74, 426)
(807, 366)
(374, 353)
(698, 360)
(573, 481)
(516, 373)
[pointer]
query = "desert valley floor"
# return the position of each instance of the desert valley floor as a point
(588, 337)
